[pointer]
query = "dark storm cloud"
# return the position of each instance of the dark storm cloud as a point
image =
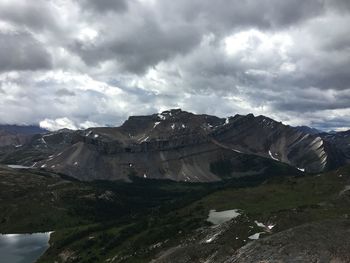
(227, 15)
(332, 124)
(37, 14)
(104, 6)
(143, 47)
(20, 51)
(311, 100)
(176, 27)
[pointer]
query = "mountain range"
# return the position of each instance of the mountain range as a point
(180, 146)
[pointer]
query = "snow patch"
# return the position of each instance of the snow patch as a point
(211, 239)
(173, 126)
(267, 227)
(96, 136)
(218, 218)
(162, 117)
(271, 155)
(255, 236)
(270, 226)
(236, 150)
(259, 224)
(43, 140)
(156, 124)
(301, 169)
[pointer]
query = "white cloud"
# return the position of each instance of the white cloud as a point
(139, 57)
(57, 124)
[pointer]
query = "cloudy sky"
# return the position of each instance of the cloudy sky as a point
(81, 63)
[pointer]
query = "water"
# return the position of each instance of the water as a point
(16, 166)
(23, 248)
(221, 217)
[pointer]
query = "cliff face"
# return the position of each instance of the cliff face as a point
(267, 138)
(180, 146)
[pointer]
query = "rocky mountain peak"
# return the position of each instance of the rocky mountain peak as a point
(191, 143)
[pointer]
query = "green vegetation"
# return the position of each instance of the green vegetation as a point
(132, 222)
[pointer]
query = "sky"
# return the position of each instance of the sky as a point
(84, 63)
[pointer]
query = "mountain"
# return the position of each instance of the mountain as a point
(307, 129)
(23, 129)
(10, 139)
(179, 146)
(16, 136)
(341, 141)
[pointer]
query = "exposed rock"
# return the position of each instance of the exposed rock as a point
(326, 241)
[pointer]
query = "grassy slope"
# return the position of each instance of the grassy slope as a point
(285, 201)
(51, 201)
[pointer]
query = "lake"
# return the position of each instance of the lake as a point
(23, 248)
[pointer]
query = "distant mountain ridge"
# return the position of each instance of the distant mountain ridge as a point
(17, 135)
(180, 146)
(308, 129)
(23, 129)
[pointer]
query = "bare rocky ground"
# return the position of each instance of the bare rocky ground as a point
(323, 242)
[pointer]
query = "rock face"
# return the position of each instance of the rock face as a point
(341, 142)
(10, 139)
(177, 145)
(316, 242)
(267, 138)
(15, 135)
